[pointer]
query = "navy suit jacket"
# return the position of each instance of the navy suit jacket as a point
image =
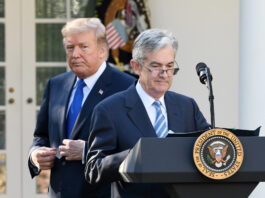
(118, 123)
(67, 177)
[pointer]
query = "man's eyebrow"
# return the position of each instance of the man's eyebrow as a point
(155, 63)
(79, 43)
(158, 63)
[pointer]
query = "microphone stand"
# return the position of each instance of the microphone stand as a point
(211, 97)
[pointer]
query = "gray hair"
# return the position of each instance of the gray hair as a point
(85, 25)
(152, 40)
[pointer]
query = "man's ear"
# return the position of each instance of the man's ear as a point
(102, 52)
(136, 67)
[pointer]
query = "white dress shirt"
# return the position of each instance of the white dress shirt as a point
(90, 82)
(148, 104)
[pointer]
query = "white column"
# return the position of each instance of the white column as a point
(252, 70)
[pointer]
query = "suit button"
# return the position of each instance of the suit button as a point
(63, 163)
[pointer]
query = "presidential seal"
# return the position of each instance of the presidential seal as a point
(218, 154)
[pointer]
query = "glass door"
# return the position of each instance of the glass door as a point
(44, 57)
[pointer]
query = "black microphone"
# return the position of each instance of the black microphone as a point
(201, 69)
(205, 77)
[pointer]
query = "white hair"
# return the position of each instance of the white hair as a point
(152, 40)
(85, 25)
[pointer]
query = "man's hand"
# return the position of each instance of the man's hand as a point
(72, 149)
(43, 157)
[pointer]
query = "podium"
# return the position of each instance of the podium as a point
(169, 161)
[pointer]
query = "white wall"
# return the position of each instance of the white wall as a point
(207, 31)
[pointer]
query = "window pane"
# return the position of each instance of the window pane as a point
(2, 8)
(2, 42)
(82, 8)
(2, 173)
(50, 8)
(2, 86)
(49, 44)
(2, 130)
(43, 75)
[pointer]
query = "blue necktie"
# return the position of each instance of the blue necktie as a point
(75, 106)
(160, 121)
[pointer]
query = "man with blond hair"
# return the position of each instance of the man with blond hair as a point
(63, 122)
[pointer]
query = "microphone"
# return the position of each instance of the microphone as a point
(202, 70)
(206, 78)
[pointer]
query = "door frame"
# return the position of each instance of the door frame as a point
(13, 110)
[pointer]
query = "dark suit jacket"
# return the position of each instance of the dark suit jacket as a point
(67, 177)
(118, 123)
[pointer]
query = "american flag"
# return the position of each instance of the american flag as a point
(116, 34)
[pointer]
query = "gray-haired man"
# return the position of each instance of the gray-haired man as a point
(146, 109)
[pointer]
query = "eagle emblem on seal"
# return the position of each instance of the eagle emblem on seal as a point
(218, 154)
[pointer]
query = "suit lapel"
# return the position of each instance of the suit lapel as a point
(67, 87)
(137, 113)
(172, 114)
(97, 94)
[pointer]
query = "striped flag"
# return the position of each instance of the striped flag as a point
(116, 34)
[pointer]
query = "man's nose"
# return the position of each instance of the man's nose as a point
(163, 72)
(76, 52)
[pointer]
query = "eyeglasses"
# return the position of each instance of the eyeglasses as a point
(170, 71)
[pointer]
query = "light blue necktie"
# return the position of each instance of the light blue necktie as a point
(160, 121)
(75, 106)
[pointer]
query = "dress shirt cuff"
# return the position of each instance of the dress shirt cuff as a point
(84, 155)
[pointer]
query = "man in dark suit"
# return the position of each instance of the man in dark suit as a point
(146, 109)
(63, 123)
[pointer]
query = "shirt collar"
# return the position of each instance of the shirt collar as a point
(146, 98)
